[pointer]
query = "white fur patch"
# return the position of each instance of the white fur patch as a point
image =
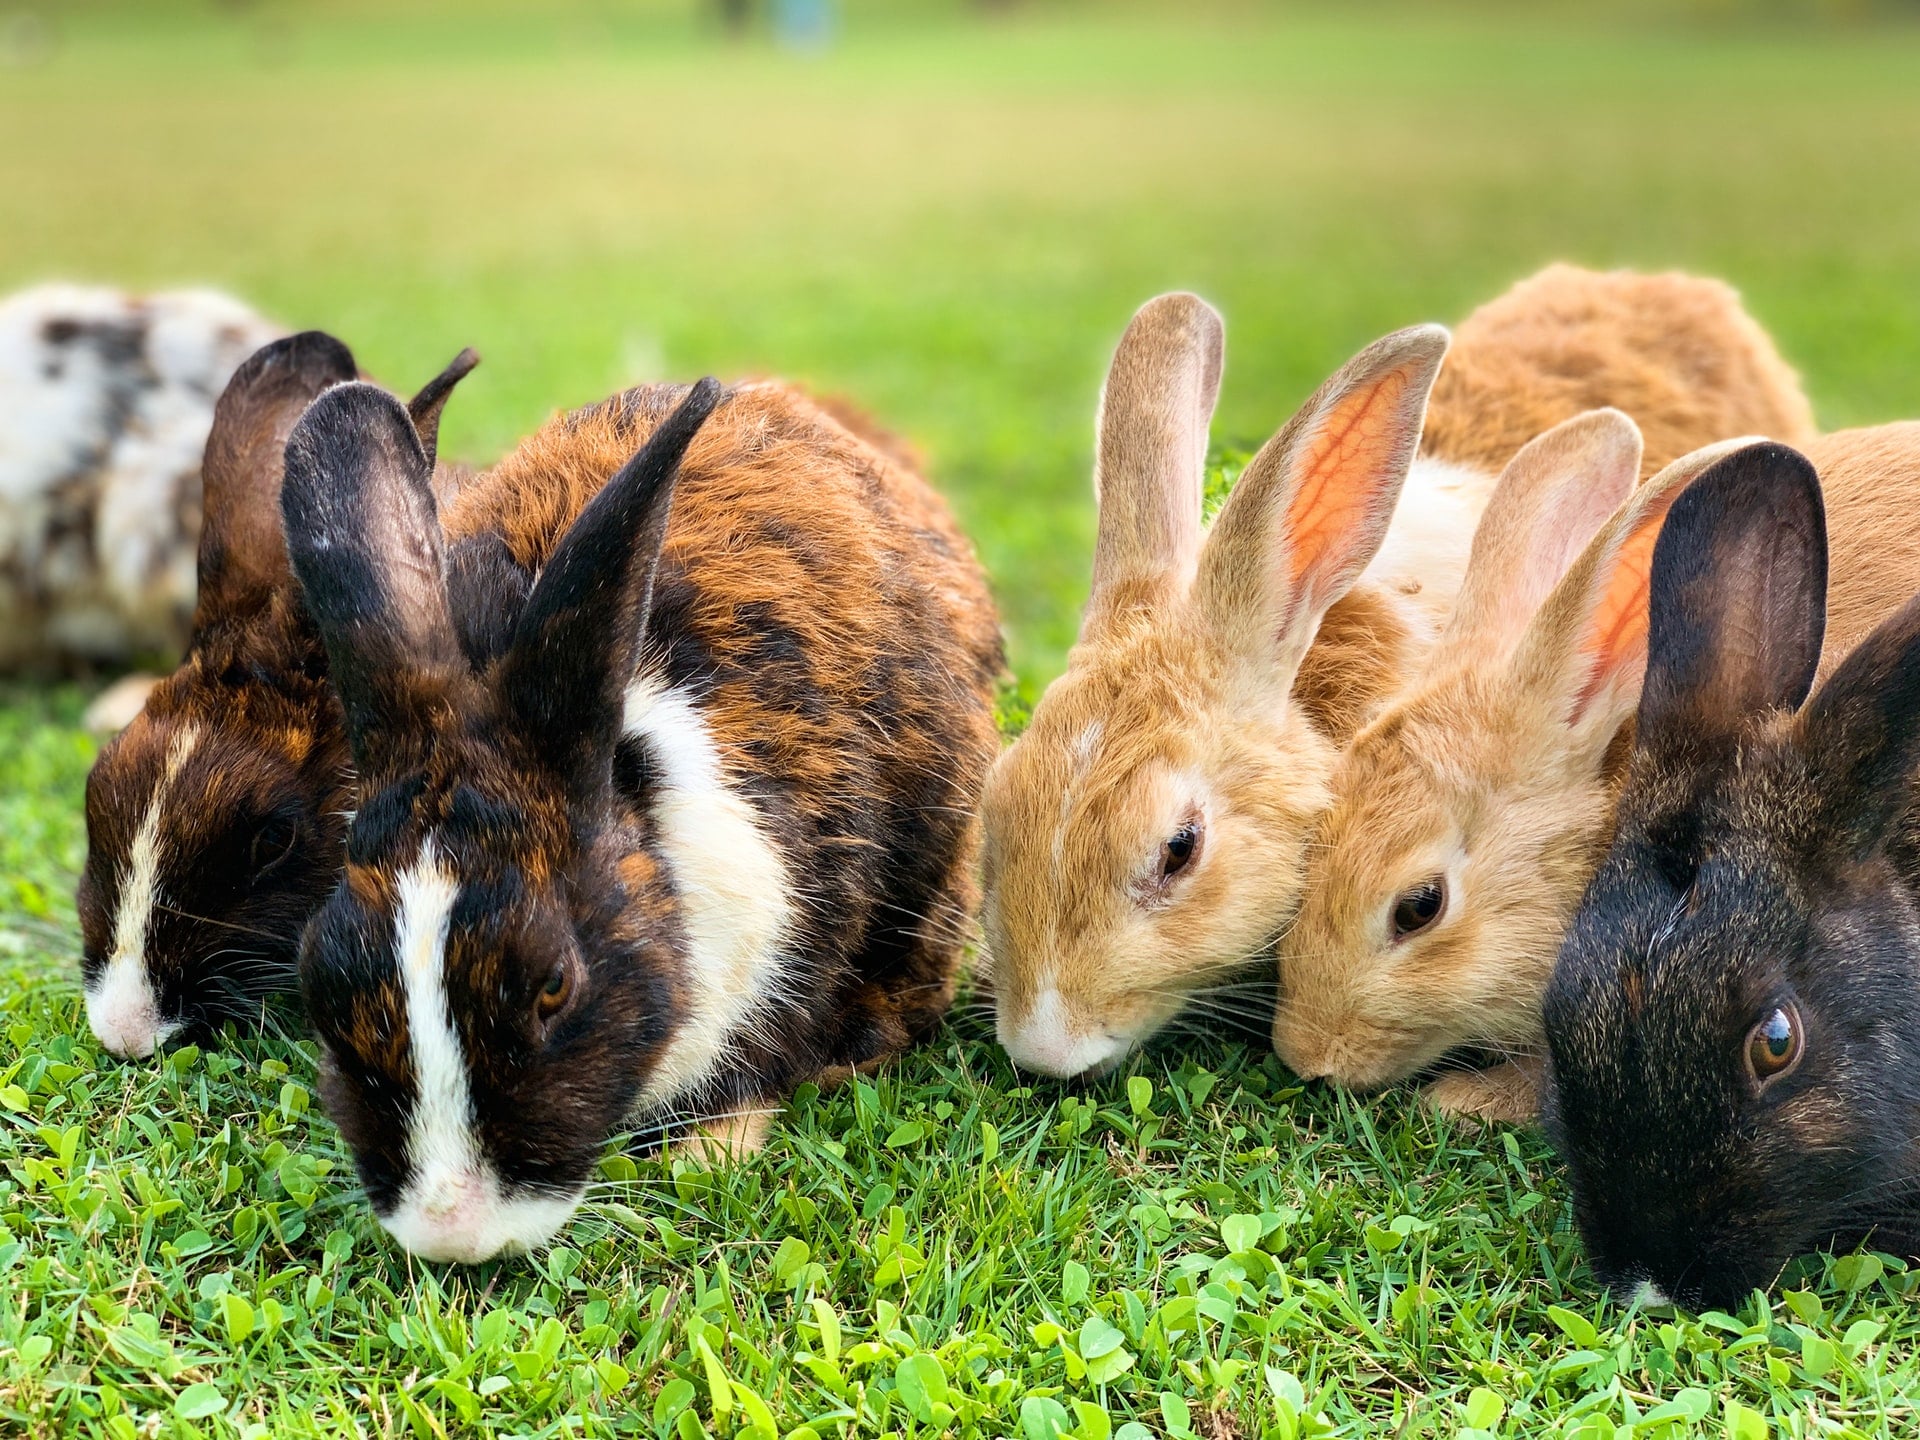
(732, 884)
(1424, 554)
(1045, 1041)
(1650, 1296)
(123, 1009)
(453, 1206)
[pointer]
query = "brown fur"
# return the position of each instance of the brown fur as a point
(780, 464)
(1563, 342)
(251, 826)
(1677, 352)
(821, 603)
(1475, 772)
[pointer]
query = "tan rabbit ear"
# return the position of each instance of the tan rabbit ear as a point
(1314, 504)
(1552, 499)
(1150, 453)
(1588, 644)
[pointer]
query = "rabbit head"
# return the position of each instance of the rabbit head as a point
(1469, 813)
(1145, 836)
(1732, 1068)
(492, 977)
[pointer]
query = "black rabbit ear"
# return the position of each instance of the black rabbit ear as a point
(243, 555)
(364, 538)
(578, 638)
(425, 407)
(1738, 600)
(1861, 731)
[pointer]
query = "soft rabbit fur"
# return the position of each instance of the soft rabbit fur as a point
(1678, 353)
(215, 819)
(1734, 1075)
(105, 402)
(1491, 781)
(702, 832)
(1216, 674)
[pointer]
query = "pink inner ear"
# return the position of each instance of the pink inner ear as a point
(1334, 519)
(1616, 640)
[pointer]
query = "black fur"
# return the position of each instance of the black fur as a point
(1761, 860)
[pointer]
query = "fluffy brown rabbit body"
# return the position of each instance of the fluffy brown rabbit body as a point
(1147, 837)
(1469, 815)
(701, 832)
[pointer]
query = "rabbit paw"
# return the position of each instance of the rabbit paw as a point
(730, 1138)
(1508, 1094)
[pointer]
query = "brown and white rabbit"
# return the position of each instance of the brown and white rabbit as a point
(702, 832)
(215, 819)
(1469, 814)
(1147, 836)
(1733, 1072)
(105, 403)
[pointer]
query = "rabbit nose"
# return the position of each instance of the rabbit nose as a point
(1046, 1041)
(448, 1218)
(123, 1012)
(1304, 1049)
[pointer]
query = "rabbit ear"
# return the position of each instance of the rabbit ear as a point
(425, 407)
(1861, 731)
(1586, 648)
(364, 537)
(1552, 498)
(577, 642)
(243, 553)
(1315, 503)
(1738, 599)
(1150, 452)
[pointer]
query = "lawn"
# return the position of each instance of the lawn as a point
(948, 219)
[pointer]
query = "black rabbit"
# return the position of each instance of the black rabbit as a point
(1734, 1019)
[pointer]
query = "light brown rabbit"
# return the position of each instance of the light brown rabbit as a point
(1147, 837)
(1470, 813)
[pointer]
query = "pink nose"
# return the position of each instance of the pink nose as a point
(449, 1219)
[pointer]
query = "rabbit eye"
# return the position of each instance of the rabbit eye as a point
(1419, 907)
(1179, 850)
(555, 993)
(272, 843)
(1775, 1045)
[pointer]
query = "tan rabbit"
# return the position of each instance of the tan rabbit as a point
(1470, 813)
(1147, 836)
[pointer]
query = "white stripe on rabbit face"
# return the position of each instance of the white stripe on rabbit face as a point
(732, 885)
(123, 1008)
(453, 1206)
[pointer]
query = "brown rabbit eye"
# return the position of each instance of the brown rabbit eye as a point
(1179, 850)
(1419, 907)
(554, 995)
(1774, 1046)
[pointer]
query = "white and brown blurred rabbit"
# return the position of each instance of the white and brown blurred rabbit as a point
(1148, 836)
(105, 403)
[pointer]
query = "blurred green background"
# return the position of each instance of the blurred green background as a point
(946, 211)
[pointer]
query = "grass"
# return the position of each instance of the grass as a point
(949, 220)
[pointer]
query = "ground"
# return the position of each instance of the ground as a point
(947, 218)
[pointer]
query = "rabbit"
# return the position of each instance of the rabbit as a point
(1678, 353)
(1470, 812)
(1147, 836)
(215, 819)
(105, 404)
(1732, 1074)
(702, 831)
